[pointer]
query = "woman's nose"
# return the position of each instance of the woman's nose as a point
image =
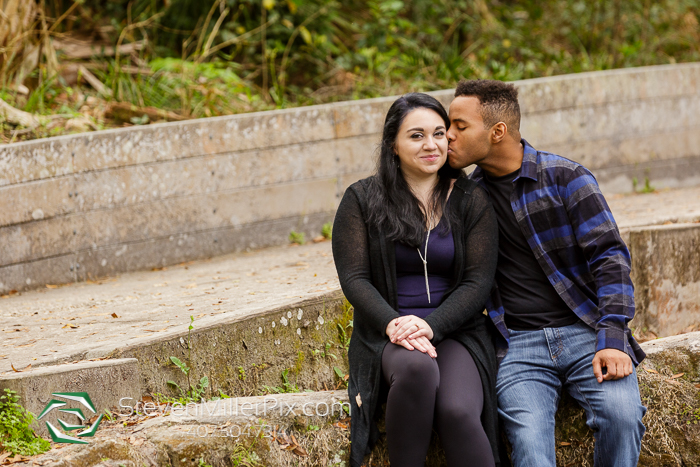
(430, 143)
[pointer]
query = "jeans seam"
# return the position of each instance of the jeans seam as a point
(596, 453)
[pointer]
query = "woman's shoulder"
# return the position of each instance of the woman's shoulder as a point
(468, 187)
(360, 187)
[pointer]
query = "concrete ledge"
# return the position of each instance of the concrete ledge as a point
(105, 381)
(666, 274)
(114, 189)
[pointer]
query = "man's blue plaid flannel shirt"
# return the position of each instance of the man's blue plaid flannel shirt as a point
(569, 226)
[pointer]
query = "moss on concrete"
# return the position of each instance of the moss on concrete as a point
(243, 356)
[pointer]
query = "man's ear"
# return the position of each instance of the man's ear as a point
(498, 132)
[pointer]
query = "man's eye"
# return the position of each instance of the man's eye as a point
(462, 128)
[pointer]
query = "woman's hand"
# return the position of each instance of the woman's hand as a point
(410, 327)
(412, 334)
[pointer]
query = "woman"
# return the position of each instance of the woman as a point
(415, 247)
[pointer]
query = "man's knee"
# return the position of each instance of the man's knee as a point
(621, 416)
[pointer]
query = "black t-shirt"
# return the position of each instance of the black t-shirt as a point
(529, 299)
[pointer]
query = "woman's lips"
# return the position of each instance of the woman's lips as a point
(431, 157)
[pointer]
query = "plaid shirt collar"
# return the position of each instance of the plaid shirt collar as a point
(528, 168)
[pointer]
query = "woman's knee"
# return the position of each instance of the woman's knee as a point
(414, 367)
(454, 412)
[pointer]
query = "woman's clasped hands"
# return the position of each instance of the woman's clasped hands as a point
(413, 333)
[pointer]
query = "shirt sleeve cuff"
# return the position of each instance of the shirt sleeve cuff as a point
(611, 338)
(438, 335)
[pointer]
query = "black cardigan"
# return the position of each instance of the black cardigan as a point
(366, 266)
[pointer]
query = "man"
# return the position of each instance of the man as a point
(563, 293)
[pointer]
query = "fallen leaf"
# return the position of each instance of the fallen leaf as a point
(114, 315)
(677, 376)
(650, 370)
(358, 399)
(564, 443)
(19, 371)
(672, 381)
(341, 425)
(69, 325)
(300, 451)
(697, 386)
(51, 286)
(4, 456)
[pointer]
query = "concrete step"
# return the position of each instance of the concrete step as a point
(105, 381)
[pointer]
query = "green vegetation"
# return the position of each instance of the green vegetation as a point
(297, 237)
(177, 59)
(287, 386)
(15, 434)
(327, 230)
(193, 393)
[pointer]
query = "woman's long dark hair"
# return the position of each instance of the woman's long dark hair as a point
(392, 205)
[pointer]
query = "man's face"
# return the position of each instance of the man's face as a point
(469, 141)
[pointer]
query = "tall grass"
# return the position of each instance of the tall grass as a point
(215, 57)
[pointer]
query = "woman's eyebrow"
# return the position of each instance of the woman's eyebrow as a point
(441, 127)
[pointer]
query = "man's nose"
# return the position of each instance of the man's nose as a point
(450, 136)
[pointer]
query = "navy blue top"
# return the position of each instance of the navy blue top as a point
(410, 276)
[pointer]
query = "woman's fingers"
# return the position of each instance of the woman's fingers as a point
(403, 328)
(424, 345)
(405, 344)
(411, 326)
(422, 332)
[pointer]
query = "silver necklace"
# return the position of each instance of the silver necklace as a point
(424, 259)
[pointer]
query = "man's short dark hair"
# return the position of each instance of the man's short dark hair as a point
(499, 101)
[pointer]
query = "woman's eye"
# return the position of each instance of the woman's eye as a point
(417, 135)
(439, 133)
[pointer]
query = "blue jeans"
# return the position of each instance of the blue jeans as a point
(530, 379)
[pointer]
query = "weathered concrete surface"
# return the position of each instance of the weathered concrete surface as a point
(272, 319)
(115, 201)
(106, 382)
(666, 274)
(308, 429)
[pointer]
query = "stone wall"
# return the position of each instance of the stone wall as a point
(666, 274)
(95, 204)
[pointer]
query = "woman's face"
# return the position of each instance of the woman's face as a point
(421, 143)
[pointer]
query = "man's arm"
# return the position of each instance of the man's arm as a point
(609, 262)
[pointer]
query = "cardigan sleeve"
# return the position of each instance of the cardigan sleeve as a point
(480, 243)
(352, 261)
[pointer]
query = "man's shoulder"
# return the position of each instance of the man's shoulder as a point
(553, 168)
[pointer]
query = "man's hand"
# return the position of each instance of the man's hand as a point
(618, 364)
